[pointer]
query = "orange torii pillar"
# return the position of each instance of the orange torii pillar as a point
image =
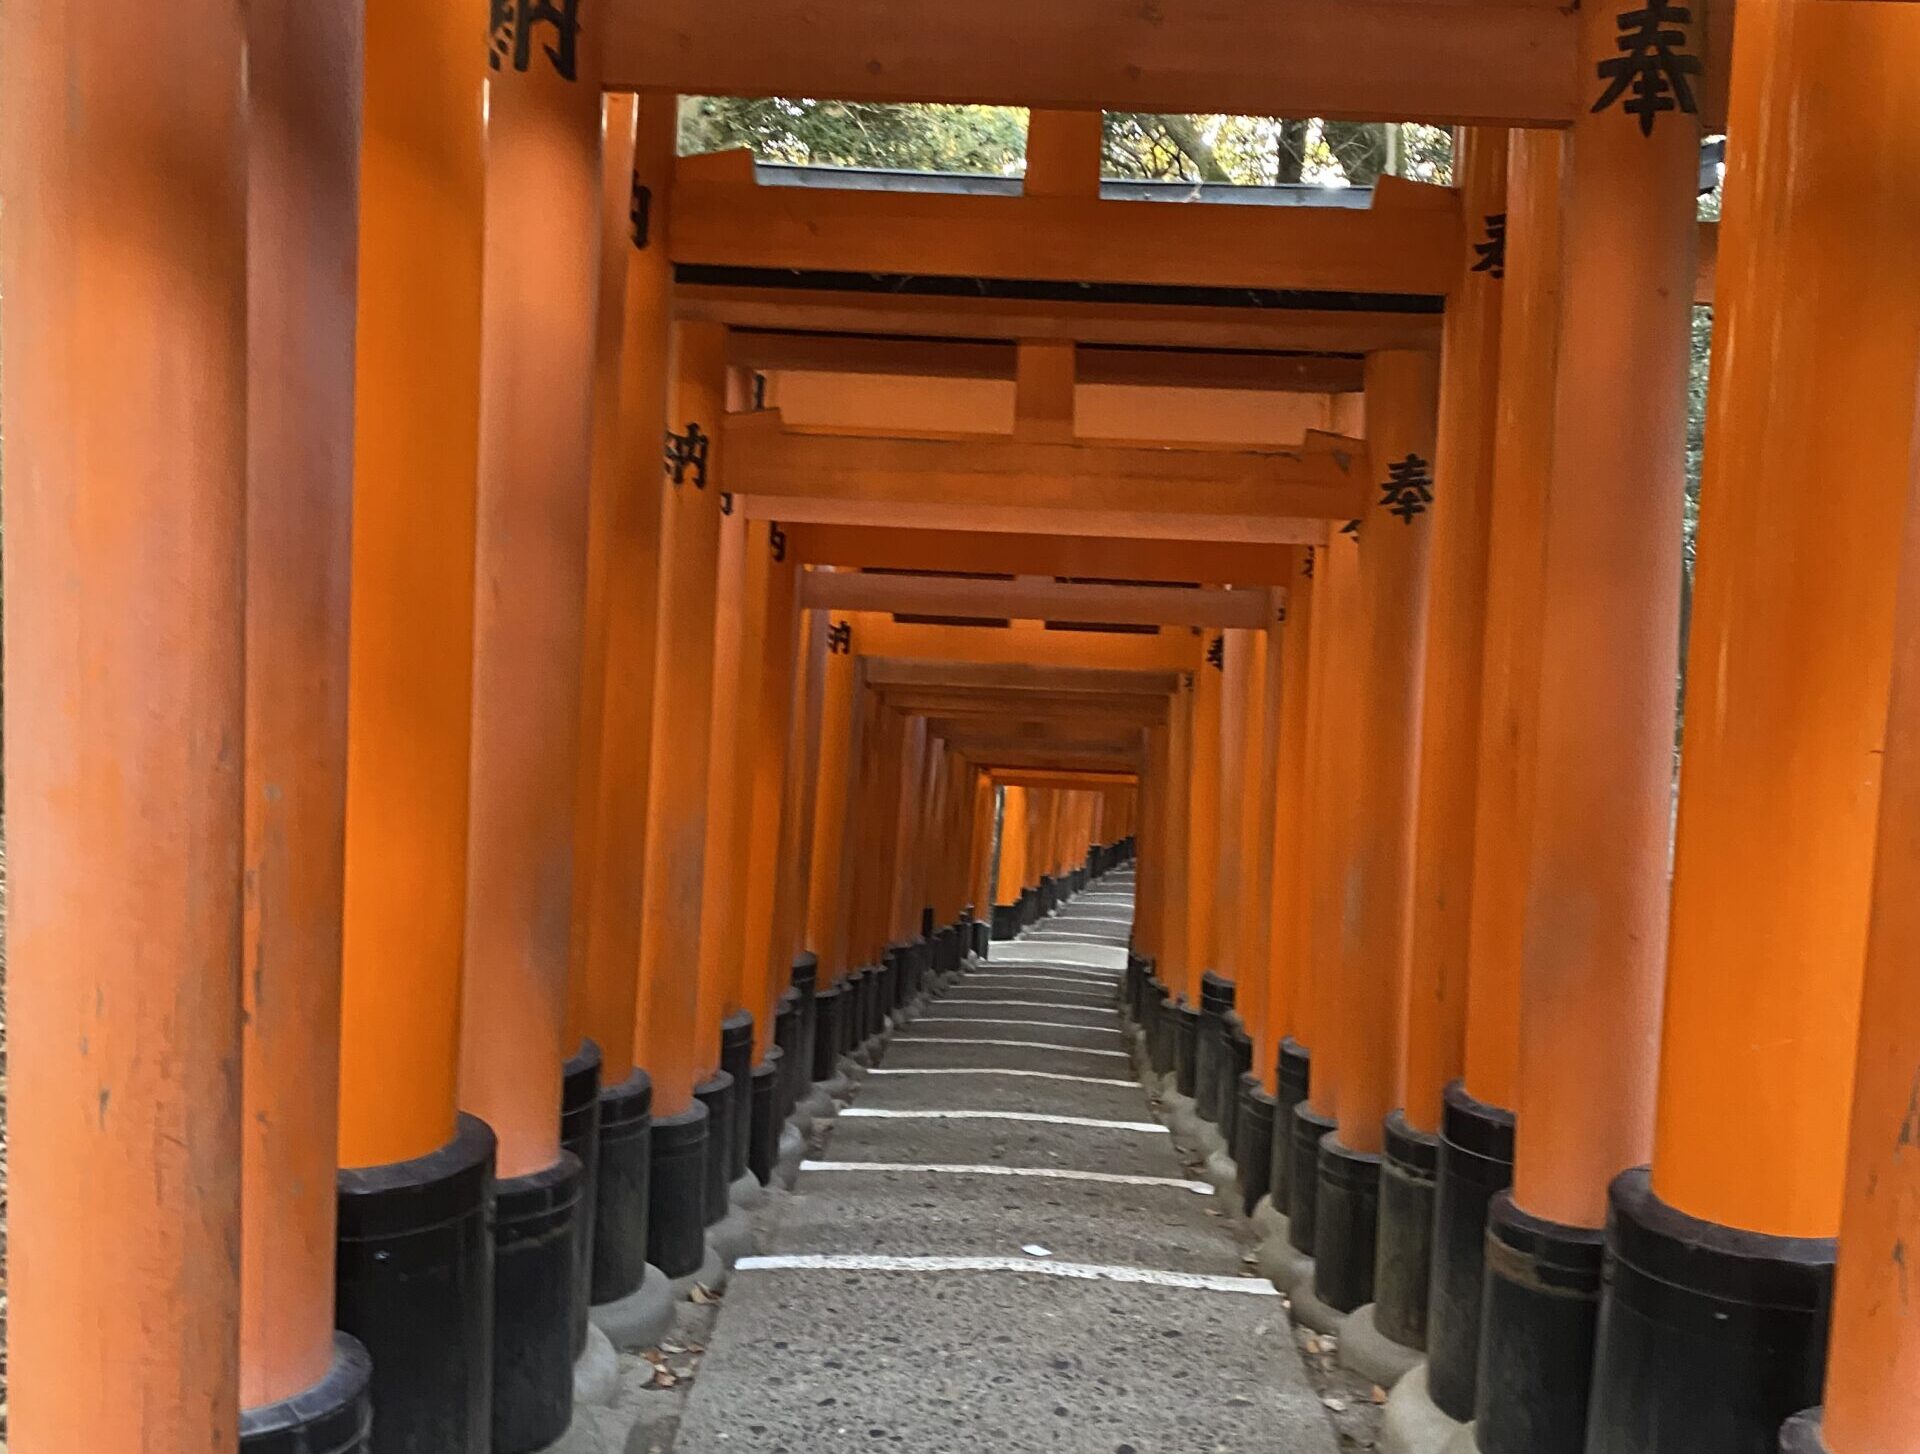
(1200, 987)
(827, 880)
(1010, 864)
(1221, 1042)
(722, 1018)
(1596, 915)
(1250, 1143)
(1283, 1060)
(414, 1278)
(1476, 1132)
(298, 1378)
(530, 553)
(631, 1303)
(1327, 836)
(986, 801)
(1713, 1322)
(1368, 1007)
(1874, 1361)
(1436, 999)
(687, 1191)
(1167, 982)
(768, 955)
(126, 345)
(805, 671)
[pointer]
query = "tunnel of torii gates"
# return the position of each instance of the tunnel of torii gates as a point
(452, 834)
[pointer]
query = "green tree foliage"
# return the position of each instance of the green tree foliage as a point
(858, 134)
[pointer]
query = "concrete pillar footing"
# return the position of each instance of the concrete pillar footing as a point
(732, 1236)
(746, 1193)
(643, 1317)
(1266, 1219)
(793, 1149)
(1365, 1350)
(596, 1372)
(711, 1273)
(1310, 1312)
(1223, 1174)
(1414, 1423)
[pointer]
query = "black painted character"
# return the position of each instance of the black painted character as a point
(513, 23)
(681, 453)
(1409, 488)
(1654, 64)
(840, 638)
(1493, 252)
(1217, 653)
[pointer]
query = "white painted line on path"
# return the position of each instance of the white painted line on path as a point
(1042, 1118)
(1045, 1173)
(1030, 1267)
(1034, 1005)
(999, 1070)
(900, 1040)
(1030, 1024)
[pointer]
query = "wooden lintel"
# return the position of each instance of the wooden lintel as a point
(1094, 558)
(964, 702)
(1038, 601)
(1156, 325)
(1390, 252)
(776, 351)
(1021, 676)
(1036, 778)
(763, 458)
(1473, 62)
(1170, 650)
(1233, 530)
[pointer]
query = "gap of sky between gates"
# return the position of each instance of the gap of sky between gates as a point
(663, 799)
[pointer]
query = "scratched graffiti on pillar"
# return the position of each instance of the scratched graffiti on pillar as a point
(514, 24)
(1217, 653)
(840, 638)
(1409, 488)
(682, 454)
(1654, 71)
(1493, 251)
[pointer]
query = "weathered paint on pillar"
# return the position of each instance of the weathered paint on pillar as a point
(303, 68)
(765, 961)
(623, 607)
(1255, 771)
(410, 673)
(1203, 818)
(126, 357)
(683, 699)
(1395, 545)
(1873, 1362)
(1809, 437)
(1450, 699)
(1010, 876)
(1597, 876)
(1510, 657)
(824, 912)
(530, 559)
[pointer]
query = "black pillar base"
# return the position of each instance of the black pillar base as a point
(1710, 1337)
(763, 1135)
(1006, 920)
(827, 1032)
(786, 1038)
(1239, 1065)
(1310, 1128)
(413, 1282)
(677, 1192)
(335, 1416)
(1475, 1163)
(580, 1134)
(1253, 1142)
(621, 1189)
(1403, 1255)
(1210, 1047)
(1292, 1075)
(533, 1294)
(983, 935)
(806, 984)
(1537, 1333)
(1161, 1029)
(1346, 1224)
(716, 1094)
(736, 1059)
(1186, 1044)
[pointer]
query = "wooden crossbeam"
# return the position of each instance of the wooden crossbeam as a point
(960, 702)
(1444, 61)
(1176, 650)
(1393, 252)
(764, 459)
(1022, 676)
(1184, 324)
(1064, 521)
(1099, 558)
(1040, 600)
(1030, 778)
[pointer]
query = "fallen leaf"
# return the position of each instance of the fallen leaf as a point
(1379, 1394)
(1338, 1405)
